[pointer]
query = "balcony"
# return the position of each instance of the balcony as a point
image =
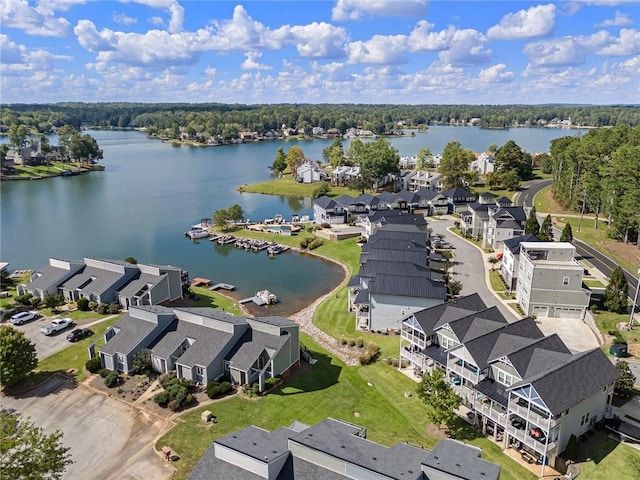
(494, 414)
(416, 358)
(413, 339)
(465, 370)
(528, 414)
(523, 436)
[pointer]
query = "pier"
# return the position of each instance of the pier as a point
(223, 286)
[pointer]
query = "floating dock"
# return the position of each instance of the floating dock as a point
(224, 286)
(263, 297)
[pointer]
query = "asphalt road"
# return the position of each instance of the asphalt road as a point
(587, 252)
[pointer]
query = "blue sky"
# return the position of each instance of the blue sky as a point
(340, 51)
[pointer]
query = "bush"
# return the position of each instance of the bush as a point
(325, 225)
(573, 449)
(359, 342)
(315, 244)
(364, 359)
(34, 302)
(343, 341)
(304, 243)
(104, 372)
(225, 387)
(373, 349)
(93, 364)
(164, 379)
(24, 299)
(161, 399)
(83, 304)
(351, 342)
(114, 308)
(213, 391)
(112, 379)
(103, 308)
(271, 382)
(173, 405)
(93, 306)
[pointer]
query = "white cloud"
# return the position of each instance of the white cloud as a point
(495, 74)
(533, 22)
(357, 9)
(627, 44)
(320, 40)
(34, 21)
(619, 20)
(423, 40)
(17, 58)
(250, 63)
(467, 47)
(123, 19)
(380, 49)
(157, 21)
(244, 33)
(176, 11)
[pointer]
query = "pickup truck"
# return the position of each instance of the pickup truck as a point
(56, 326)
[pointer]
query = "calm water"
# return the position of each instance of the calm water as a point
(151, 192)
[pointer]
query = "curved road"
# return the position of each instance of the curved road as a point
(595, 257)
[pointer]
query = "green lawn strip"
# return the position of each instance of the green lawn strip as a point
(208, 298)
(76, 354)
(73, 314)
(545, 203)
(498, 286)
(609, 460)
(329, 389)
(288, 187)
(592, 283)
(607, 321)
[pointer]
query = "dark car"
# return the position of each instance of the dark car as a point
(78, 334)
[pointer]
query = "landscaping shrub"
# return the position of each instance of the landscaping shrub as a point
(114, 308)
(271, 382)
(359, 342)
(304, 243)
(161, 399)
(93, 364)
(102, 308)
(112, 379)
(104, 372)
(351, 342)
(343, 341)
(164, 379)
(34, 302)
(573, 449)
(213, 391)
(315, 244)
(173, 405)
(225, 387)
(93, 306)
(24, 299)
(364, 359)
(373, 349)
(83, 304)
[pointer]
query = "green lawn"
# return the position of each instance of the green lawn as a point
(329, 389)
(288, 187)
(73, 314)
(593, 283)
(611, 460)
(208, 298)
(607, 321)
(75, 355)
(498, 286)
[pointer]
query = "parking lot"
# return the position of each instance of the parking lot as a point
(45, 345)
(109, 439)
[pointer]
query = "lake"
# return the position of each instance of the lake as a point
(152, 192)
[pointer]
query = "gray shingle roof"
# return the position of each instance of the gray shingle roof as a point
(517, 213)
(99, 280)
(540, 356)
(275, 320)
(49, 276)
(257, 443)
(143, 280)
(409, 197)
(362, 296)
(388, 197)
(132, 332)
(431, 317)
(344, 200)
(494, 390)
(458, 192)
(252, 343)
(325, 202)
(368, 199)
(513, 244)
(477, 324)
(462, 461)
(391, 227)
(214, 313)
(404, 286)
(375, 267)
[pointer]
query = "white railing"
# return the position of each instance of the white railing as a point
(415, 358)
(420, 342)
(490, 412)
(528, 414)
(464, 372)
(523, 437)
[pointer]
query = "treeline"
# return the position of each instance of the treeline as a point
(599, 173)
(216, 119)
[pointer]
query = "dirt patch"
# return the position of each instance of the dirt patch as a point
(436, 432)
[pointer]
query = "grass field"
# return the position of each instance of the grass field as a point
(607, 321)
(288, 187)
(612, 460)
(328, 389)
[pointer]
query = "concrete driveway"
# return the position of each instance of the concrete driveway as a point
(45, 345)
(576, 334)
(108, 438)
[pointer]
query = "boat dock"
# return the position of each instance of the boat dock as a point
(263, 297)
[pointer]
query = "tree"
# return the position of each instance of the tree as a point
(334, 153)
(53, 301)
(511, 157)
(567, 233)
(220, 218)
(279, 163)
(493, 261)
(624, 384)
(359, 183)
(455, 161)
(17, 356)
(235, 212)
(131, 260)
(18, 136)
(435, 391)
(83, 304)
(425, 158)
(510, 180)
(616, 293)
(64, 140)
(532, 226)
(546, 230)
(26, 452)
(323, 189)
(84, 148)
(295, 157)
(355, 152)
(379, 158)
(493, 148)
(454, 287)
(141, 363)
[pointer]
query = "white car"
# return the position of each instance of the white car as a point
(24, 317)
(56, 326)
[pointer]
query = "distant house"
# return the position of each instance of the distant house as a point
(422, 179)
(511, 257)
(203, 344)
(327, 210)
(459, 198)
(26, 156)
(343, 174)
(550, 281)
(433, 203)
(47, 280)
(335, 450)
(154, 285)
(310, 172)
(483, 164)
(371, 223)
(503, 223)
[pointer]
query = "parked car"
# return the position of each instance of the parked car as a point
(24, 317)
(56, 326)
(79, 334)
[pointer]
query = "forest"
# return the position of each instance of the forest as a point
(599, 173)
(226, 120)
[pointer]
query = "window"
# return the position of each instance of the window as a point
(565, 281)
(504, 378)
(584, 419)
(199, 370)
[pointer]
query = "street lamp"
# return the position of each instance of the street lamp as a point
(635, 300)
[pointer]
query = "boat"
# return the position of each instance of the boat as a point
(267, 297)
(201, 233)
(276, 249)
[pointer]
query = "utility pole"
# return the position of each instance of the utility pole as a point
(635, 300)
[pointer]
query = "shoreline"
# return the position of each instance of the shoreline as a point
(10, 178)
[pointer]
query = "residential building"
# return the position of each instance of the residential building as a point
(483, 163)
(334, 449)
(503, 223)
(550, 281)
(473, 220)
(108, 281)
(459, 198)
(373, 221)
(423, 179)
(327, 210)
(203, 344)
(511, 258)
(310, 172)
(527, 390)
(343, 174)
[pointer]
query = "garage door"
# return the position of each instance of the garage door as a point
(566, 312)
(540, 311)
